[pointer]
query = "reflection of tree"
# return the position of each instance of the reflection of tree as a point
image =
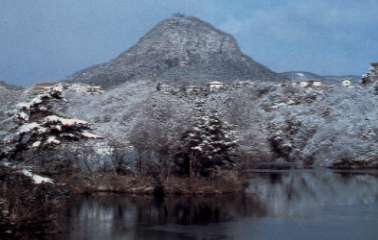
(130, 214)
(270, 194)
(292, 192)
(200, 210)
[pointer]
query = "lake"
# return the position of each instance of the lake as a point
(290, 204)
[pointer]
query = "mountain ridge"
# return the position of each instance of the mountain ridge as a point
(9, 86)
(305, 76)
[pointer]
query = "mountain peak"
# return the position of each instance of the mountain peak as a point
(182, 36)
(180, 21)
(180, 49)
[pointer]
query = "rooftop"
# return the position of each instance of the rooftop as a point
(215, 83)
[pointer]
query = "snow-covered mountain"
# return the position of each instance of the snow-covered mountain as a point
(335, 78)
(301, 76)
(179, 50)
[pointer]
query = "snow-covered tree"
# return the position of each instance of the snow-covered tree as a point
(161, 121)
(38, 126)
(206, 146)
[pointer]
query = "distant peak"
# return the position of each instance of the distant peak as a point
(9, 86)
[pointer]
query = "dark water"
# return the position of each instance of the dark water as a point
(278, 205)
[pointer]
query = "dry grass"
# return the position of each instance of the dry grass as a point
(108, 182)
(223, 182)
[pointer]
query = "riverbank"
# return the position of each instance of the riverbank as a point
(228, 182)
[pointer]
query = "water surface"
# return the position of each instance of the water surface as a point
(277, 205)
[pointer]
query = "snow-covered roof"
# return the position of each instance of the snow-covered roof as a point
(215, 83)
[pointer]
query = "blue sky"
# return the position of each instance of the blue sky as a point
(50, 39)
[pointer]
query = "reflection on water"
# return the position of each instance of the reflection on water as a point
(291, 192)
(275, 203)
(120, 215)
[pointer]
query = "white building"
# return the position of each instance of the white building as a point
(215, 86)
(304, 84)
(346, 83)
(308, 84)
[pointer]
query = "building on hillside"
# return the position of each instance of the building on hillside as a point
(308, 84)
(304, 84)
(215, 86)
(346, 83)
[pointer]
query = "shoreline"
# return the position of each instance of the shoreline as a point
(142, 185)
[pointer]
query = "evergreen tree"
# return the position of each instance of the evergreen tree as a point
(39, 126)
(208, 145)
